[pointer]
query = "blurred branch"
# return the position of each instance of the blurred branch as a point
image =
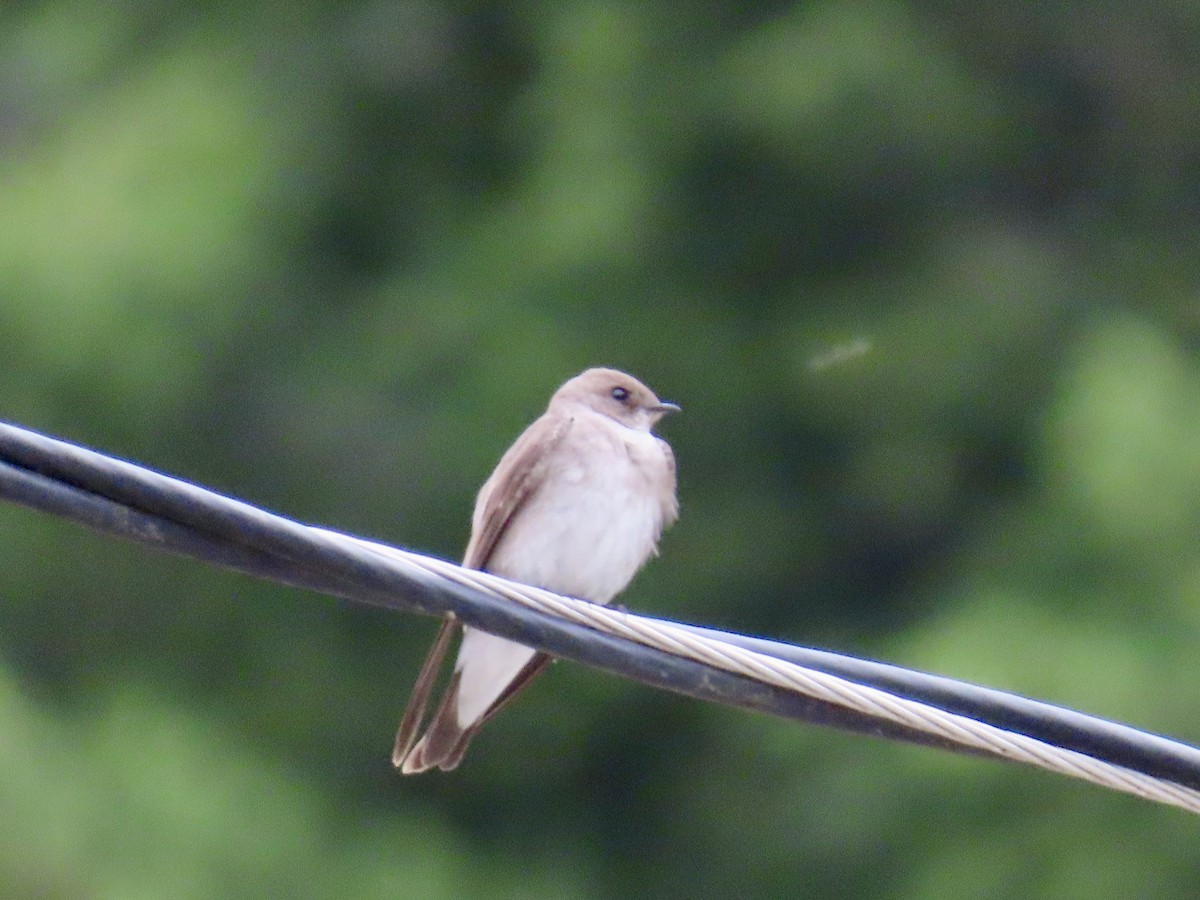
(129, 501)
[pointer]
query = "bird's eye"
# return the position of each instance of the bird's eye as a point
(620, 394)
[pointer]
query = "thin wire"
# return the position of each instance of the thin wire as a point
(864, 699)
(115, 497)
(124, 499)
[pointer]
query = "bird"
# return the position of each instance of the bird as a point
(576, 506)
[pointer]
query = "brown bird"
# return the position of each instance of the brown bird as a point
(575, 506)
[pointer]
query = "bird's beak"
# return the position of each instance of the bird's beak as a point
(664, 407)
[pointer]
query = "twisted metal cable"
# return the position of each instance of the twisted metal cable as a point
(127, 500)
(951, 727)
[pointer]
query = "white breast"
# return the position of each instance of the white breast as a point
(596, 519)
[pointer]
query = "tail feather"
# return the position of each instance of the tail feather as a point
(406, 734)
(444, 741)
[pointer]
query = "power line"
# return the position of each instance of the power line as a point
(129, 501)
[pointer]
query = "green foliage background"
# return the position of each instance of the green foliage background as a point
(332, 257)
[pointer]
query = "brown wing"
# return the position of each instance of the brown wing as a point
(670, 500)
(518, 475)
